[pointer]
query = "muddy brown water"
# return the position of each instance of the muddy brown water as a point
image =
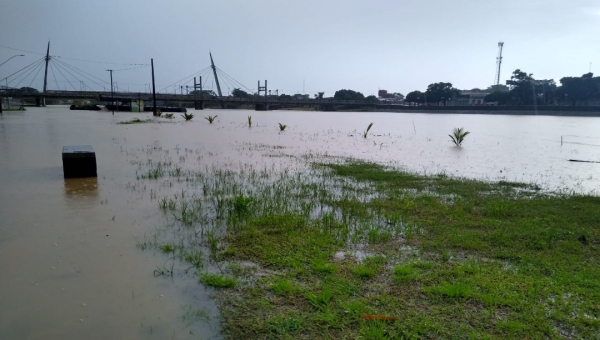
(69, 265)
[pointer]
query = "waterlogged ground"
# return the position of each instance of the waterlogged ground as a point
(295, 248)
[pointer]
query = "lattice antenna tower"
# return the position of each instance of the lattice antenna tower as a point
(498, 63)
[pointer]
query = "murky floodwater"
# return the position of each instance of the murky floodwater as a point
(68, 261)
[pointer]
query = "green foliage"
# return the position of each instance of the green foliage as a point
(167, 248)
(249, 121)
(187, 116)
(371, 99)
(217, 281)
(242, 204)
(440, 92)
(211, 119)
(282, 127)
(169, 115)
(239, 93)
(415, 97)
(136, 121)
(281, 286)
(158, 113)
(367, 130)
(348, 95)
(458, 136)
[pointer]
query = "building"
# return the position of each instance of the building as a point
(382, 93)
(474, 97)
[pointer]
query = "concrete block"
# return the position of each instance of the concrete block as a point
(79, 161)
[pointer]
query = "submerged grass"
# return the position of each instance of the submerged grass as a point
(310, 253)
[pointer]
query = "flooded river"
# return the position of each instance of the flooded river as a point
(68, 257)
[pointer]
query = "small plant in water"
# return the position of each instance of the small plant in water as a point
(282, 127)
(249, 121)
(458, 136)
(169, 115)
(187, 116)
(158, 113)
(211, 119)
(367, 131)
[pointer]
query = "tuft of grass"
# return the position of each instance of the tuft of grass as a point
(367, 130)
(211, 119)
(458, 136)
(282, 127)
(404, 273)
(281, 286)
(321, 266)
(217, 281)
(249, 121)
(363, 271)
(136, 121)
(169, 115)
(187, 116)
(167, 248)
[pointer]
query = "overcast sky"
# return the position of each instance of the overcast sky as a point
(362, 45)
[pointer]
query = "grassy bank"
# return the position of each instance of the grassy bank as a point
(347, 250)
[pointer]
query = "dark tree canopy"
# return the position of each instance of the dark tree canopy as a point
(202, 93)
(371, 99)
(415, 97)
(440, 92)
(319, 95)
(579, 89)
(239, 93)
(348, 95)
(394, 95)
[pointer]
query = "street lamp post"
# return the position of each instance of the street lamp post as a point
(16, 55)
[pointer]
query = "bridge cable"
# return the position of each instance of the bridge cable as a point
(231, 82)
(66, 70)
(73, 67)
(35, 62)
(30, 72)
(83, 75)
(179, 81)
(54, 75)
(233, 79)
(99, 62)
(32, 79)
(59, 71)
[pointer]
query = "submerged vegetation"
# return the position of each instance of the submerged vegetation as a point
(348, 249)
(282, 127)
(211, 119)
(187, 116)
(136, 121)
(249, 121)
(458, 136)
(367, 130)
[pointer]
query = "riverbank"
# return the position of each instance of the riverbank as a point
(348, 249)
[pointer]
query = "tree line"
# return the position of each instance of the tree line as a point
(526, 90)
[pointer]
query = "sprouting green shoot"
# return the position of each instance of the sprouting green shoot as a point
(282, 127)
(249, 121)
(367, 132)
(458, 136)
(187, 116)
(211, 119)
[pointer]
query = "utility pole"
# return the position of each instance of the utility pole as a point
(46, 73)
(212, 63)
(153, 87)
(112, 93)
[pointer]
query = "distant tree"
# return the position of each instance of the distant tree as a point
(415, 97)
(501, 97)
(371, 99)
(319, 95)
(495, 88)
(204, 93)
(395, 95)
(285, 97)
(522, 87)
(579, 89)
(348, 95)
(239, 93)
(440, 92)
(29, 90)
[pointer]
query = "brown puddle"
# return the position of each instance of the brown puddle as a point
(68, 257)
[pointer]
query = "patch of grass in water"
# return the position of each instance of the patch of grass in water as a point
(449, 257)
(136, 121)
(217, 281)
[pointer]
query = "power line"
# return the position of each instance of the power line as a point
(75, 68)
(35, 62)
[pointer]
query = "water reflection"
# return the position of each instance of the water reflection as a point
(82, 191)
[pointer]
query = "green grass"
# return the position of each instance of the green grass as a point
(450, 257)
(136, 121)
(217, 281)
